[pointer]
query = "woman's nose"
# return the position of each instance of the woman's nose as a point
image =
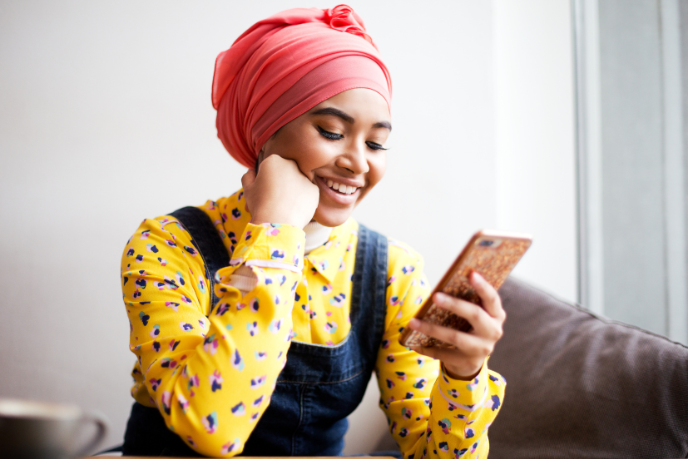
(354, 159)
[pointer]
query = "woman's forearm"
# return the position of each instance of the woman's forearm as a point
(211, 377)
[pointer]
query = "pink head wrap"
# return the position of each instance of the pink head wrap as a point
(285, 65)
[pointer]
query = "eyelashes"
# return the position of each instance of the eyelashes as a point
(376, 146)
(332, 136)
(329, 135)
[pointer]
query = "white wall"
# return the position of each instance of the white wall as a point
(535, 132)
(105, 119)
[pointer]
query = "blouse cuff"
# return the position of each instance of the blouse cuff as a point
(268, 245)
(461, 394)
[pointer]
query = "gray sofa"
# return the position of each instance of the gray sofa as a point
(583, 386)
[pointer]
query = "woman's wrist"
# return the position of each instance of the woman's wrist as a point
(460, 374)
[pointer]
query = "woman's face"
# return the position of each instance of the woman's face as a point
(339, 146)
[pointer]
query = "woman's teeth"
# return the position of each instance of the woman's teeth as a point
(344, 189)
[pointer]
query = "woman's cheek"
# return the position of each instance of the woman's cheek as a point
(378, 167)
(312, 156)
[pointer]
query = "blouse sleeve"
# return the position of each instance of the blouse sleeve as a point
(429, 414)
(210, 376)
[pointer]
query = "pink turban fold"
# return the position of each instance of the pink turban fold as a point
(285, 65)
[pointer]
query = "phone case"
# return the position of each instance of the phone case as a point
(493, 255)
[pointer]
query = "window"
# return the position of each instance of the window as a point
(632, 100)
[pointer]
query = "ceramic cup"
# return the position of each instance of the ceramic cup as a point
(46, 430)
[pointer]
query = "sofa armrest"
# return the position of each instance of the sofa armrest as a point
(580, 385)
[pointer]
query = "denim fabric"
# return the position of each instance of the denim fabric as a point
(208, 243)
(319, 386)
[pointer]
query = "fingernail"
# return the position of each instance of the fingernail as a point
(441, 298)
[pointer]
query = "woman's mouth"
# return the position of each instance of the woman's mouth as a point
(339, 192)
(341, 188)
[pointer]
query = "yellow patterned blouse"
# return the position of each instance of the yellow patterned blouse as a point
(188, 359)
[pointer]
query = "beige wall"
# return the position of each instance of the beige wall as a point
(105, 119)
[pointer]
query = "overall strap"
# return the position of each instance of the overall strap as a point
(368, 299)
(207, 241)
(320, 386)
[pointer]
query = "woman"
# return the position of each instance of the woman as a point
(258, 319)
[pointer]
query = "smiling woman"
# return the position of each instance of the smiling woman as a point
(257, 319)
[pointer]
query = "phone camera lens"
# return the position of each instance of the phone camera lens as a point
(486, 243)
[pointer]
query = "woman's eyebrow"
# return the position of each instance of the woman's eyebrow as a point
(335, 112)
(383, 124)
(348, 118)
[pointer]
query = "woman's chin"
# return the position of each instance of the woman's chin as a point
(332, 217)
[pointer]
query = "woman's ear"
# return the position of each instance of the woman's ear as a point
(262, 155)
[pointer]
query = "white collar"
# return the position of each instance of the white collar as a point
(316, 235)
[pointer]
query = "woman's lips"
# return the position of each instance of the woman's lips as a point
(336, 196)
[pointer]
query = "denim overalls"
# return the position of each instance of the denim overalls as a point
(319, 386)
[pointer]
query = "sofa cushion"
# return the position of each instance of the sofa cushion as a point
(579, 385)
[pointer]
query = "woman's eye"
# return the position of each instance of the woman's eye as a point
(329, 135)
(375, 146)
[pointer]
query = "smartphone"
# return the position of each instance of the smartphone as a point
(493, 254)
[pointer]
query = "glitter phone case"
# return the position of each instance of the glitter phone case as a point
(493, 254)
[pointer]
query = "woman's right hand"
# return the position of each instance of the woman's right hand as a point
(280, 193)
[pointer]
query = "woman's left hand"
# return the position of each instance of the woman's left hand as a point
(466, 359)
